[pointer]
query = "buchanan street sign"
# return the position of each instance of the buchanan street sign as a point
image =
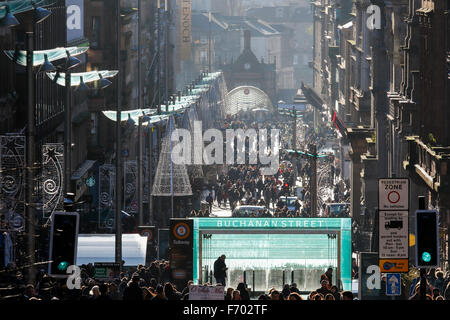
(274, 223)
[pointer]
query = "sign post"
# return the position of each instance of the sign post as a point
(181, 243)
(369, 280)
(393, 231)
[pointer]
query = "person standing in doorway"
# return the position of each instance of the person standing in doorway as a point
(220, 270)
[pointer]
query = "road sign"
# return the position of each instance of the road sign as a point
(106, 270)
(393, 194)
(393, 265)
(393, 234)
(393, 241)
(393, 284)
(100, 273)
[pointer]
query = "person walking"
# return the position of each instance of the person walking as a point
(159, 294)
(220, 270)
(133, 291)
(210, 200)
(242, 288)
(328, 275)
(219, 195)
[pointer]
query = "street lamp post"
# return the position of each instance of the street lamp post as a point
(31, 132)
(209, 43)
(294, 111)
(68, 133)
(140, 173)
(166, 53)
(71, 62)
(171, 125)
(158, 71)
(139, 55)
(118, 183)
(150, 174)
(314, 181)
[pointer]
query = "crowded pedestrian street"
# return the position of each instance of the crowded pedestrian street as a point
(220, 151)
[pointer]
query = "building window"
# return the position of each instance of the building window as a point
(279, 13)
(95, 41)
(203, 55)
(94, 92)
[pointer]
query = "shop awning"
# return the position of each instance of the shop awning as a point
(313, 97)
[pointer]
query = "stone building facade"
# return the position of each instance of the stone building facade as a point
(389, 82)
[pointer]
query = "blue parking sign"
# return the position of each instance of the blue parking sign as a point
(393, 284)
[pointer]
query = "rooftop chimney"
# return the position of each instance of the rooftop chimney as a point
(247, 40)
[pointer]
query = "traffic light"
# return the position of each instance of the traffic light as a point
(427, 238)
(63, 242)
(286, 188)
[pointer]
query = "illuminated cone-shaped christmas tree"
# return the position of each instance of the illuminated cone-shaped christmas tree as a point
(195, 170)
(170, 178)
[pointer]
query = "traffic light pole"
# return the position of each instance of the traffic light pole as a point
(423, 273)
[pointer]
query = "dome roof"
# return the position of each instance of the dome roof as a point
(246, 98)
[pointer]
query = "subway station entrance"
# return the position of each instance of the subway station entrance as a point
(270, 252)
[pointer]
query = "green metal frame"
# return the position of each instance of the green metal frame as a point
(339, 226)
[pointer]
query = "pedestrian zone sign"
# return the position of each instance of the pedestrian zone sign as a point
(393, 194)
(393, 284)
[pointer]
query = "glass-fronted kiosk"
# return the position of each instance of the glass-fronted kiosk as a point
(270, 252)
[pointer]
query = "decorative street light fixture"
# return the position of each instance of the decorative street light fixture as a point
(8, 20)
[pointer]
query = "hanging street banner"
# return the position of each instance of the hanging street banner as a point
(393, 194)
(52, 178)
(75, 19)
(130, 194)
(106, 179)
(393, 225)
(185, 29)
(12, 173)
